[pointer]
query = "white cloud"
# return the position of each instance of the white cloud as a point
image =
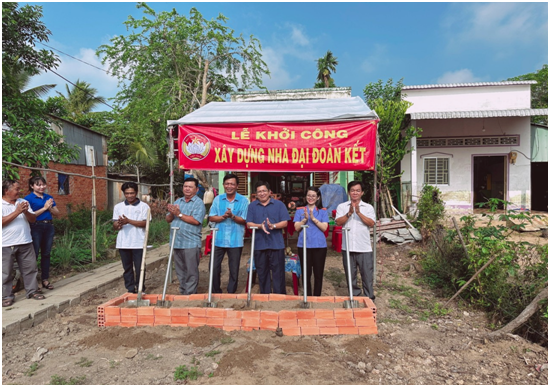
(298, 36)
(460, 76)
(496, 24)
(280, 77)
(375, 60)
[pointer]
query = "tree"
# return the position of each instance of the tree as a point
(539, 91)
(170, 64)
(326, 65)
(27, 138)
(81, 98)
(394, 133)
(18, 78)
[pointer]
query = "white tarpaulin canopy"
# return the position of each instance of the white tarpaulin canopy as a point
(325, 110)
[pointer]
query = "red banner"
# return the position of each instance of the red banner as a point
(294, 147)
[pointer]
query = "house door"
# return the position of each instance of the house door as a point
(539, 185)
(489, 178)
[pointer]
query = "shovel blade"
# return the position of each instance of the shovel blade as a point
(139, 303)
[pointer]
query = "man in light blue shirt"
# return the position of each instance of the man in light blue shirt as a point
(187, 213)
(229, 212)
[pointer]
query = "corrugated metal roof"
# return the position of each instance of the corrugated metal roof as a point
(324, 110)
(478, 114)
(457, 85)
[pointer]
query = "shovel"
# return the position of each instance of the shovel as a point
(251, 267)
(304, 305)
(139, 301)
(351, 303)
(212, 255)
(163, 302)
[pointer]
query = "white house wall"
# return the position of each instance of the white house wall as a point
(468, 98)
(458, 194)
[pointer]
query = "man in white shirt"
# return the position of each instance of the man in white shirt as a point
(359, 216)
(130, 219)
(17, 243)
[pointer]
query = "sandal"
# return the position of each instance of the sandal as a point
(37, 296)
(7, 302)
(47, 284)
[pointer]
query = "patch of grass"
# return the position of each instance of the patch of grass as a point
(434, 326)
(58, 380)
(335, 276)
(84, 362)
(153, 357)
(114, 364)
(212, 353)
(184, 373)
(397, 304)
(32, 369)
(226, 340)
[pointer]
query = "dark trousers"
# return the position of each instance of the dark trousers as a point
(365, 263)
(316, 259)
(234, 254)
(270, 268)
(186, 268)
(42, 240)
(132, 258)
(26, 260)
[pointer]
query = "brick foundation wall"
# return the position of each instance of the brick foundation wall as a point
(292, 322)
(80, 192)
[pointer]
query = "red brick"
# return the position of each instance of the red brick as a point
(324, 314)
(112, 323)
(180, 321)
(232, 322)
(287, 315)
(260, 297)
(291, 331)
(305, 314)
(148, 321)
(112, 311)
(365, 322)
(340, 299)
(306, 322)
(197, 321)
(215, 313)
(277, 297)
(370, 304)
(237, 314)
(269, 315)
(161, 320)
(348, 330)
(250, 322)
(345, 322)
(197, 297)
(128, 319)
(329, 330)
(128, 324)
(251, 314)
(111, 318)
(145, 311)
(224, 296)
(242, 296)
(343, 313)
(268, 324)
(180, 297)
(326, 322)
(249, 328)
(197, 312)
(363, 313)
(162, 311)
(128, 312)
(293, 298)
(367, 330)
(288, 323)
(320, 299)
(214, 321)
(231, 328)
(310, 331)
(179, 311)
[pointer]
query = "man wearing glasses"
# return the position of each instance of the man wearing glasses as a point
(270, 216)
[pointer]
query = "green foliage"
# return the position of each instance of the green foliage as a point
(84, 362)
(507, 285)
(212, 353)
(32, 369)
(226, 340)
(431, 209)
(539, 91)
(325, 66)
(58, 380)
(183, 373)
(29, 141)
(159, 232)
(80, 99)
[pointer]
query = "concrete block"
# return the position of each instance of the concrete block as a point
(75, 301)
(65, 304)
(41, 315)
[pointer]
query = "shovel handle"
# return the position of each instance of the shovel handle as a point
(142, 275)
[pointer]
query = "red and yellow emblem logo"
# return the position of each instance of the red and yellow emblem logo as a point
(196, 146)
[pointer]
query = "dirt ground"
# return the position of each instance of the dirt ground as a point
(418, 343)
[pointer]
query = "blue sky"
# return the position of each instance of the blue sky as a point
(424, 43)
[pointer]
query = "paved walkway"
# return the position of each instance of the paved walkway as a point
(26, 313)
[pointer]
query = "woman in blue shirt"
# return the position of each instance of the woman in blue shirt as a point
(42, 230)
(316, 218)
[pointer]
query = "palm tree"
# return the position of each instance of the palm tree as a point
(81, 98)
(326, 65)
(19, 80)
(142, 154)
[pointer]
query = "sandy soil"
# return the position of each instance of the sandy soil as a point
(414, 346)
